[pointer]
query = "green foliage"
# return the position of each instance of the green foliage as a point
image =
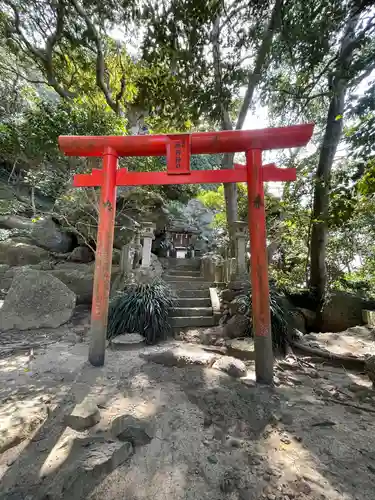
(214, 199)
(142, 308)
(29, 140)
(280, 315)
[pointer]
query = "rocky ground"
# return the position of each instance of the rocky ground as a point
(167, 422)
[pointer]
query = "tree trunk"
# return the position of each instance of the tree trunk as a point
(331, 139)
(230, 190)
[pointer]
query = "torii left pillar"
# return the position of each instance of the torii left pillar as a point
(103, 258)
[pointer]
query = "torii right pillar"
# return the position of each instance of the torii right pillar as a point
(259, 268)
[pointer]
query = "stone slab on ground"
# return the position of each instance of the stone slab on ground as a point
(129, 428)
(241, 348)
(182, 356)
(127, 341)
(232, 366)
(36, 300)
(88, 461)
(84, 415)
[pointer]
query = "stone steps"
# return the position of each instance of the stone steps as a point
(190, 311)
(193, 302)
(192, 321)
(193, 305)
(187, 293)
(190, 285)
(174, 277)
(189, 264)
(185, 272)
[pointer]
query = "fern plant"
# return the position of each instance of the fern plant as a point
(142, 308)
(280, 316)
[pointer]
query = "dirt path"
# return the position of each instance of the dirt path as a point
(212, 437)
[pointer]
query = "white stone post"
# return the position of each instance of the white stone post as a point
(147, 233)
(241, 237)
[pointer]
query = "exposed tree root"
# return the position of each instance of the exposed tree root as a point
(348, 362)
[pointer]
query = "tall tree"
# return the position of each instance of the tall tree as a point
(352, 63)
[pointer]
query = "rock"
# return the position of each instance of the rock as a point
(239, 285)
(8, 276)
(47, 234)
(127, 341)
(131, 429)
(181, 356)
(233, 308)
(88, 462)
(343, 310)
(241, 348)
(20, 424)
(83, 416)
(310, 317)
(370, 369)
(79, 278)
(237, 326)
(3, 269)
(4, 284)
(116, 257)
(147, 274)
(36, 300)
(82, 254)
(228, 295)
(212, 335)
(232, 366)
(298, 320)
(20, 253)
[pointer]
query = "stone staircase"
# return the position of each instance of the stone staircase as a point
(193, 308)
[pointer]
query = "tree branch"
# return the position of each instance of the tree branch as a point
(260, 62)
(45, 57)
(100, 62)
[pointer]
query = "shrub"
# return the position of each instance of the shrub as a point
(280, 316)
(142, 308)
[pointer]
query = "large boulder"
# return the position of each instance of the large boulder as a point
(237, 326)
(79, 278)
(82, 254)
(20, 252)
(36, 300)
(343, 310)
(47, 234)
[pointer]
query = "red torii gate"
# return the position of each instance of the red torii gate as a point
(178, 148)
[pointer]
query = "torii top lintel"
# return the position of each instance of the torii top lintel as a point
(227, 141)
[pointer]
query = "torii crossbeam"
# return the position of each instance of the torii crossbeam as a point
(178, 149)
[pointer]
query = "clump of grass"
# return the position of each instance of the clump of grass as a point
(280, 316)
(142, 308)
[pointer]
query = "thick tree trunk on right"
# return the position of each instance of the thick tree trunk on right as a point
(332, 135)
